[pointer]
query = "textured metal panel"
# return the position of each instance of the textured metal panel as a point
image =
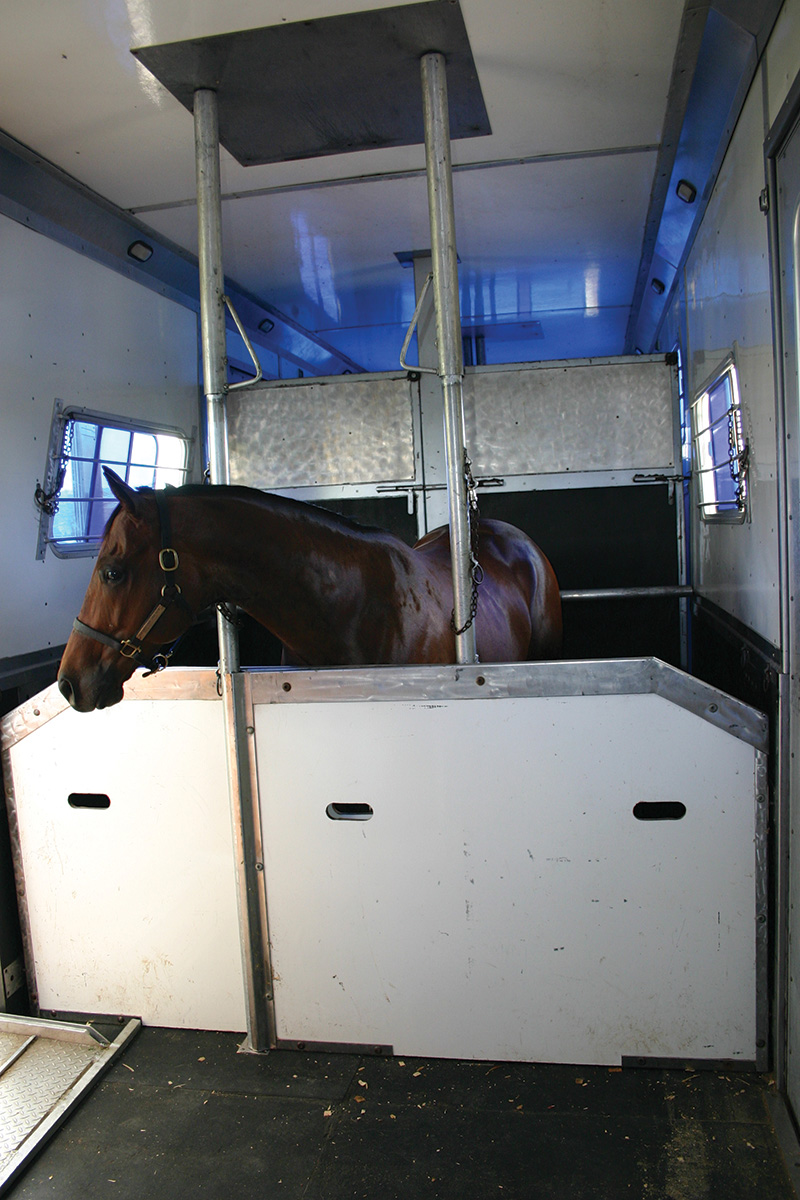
(577, 416)
(337, 431)
(32, 1087)
(53, 1069)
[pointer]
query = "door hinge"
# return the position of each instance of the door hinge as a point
(763, 200)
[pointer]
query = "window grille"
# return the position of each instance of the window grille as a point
(720, 449)
(75, 500)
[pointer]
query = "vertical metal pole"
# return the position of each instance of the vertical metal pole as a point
(238, 713)
(448, 334)
(212, 317)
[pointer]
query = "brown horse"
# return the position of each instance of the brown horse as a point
(334, 593)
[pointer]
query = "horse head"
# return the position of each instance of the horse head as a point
(133, 605)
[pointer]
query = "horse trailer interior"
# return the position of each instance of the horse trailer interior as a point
(417, 265)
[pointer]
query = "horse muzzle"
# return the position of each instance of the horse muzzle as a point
(102, 693)
(88, 681)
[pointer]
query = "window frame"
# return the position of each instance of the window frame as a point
(47, 494)
(706, 465)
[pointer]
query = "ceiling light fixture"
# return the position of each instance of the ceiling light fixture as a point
(140, 251)
(686, 191)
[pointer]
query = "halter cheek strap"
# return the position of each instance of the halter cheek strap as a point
(170, 594)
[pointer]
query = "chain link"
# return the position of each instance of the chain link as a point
(47, 502)
(476, 570)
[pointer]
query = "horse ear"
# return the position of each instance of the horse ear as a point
(128, 498)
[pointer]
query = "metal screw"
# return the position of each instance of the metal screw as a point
(259, 866)
(480, 681)
(287, 687)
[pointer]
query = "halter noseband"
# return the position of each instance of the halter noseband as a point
(170, 594)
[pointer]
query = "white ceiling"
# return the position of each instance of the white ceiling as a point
(550, 215)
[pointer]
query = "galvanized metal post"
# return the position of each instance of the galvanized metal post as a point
(238, 718)
(448, 335)
(212, 316)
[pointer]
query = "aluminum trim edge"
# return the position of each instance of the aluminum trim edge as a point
(589, 677)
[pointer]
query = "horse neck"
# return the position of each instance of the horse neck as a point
(290, 568)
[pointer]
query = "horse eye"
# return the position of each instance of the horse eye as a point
(111, 575)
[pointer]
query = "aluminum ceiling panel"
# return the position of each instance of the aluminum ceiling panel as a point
(296, 90)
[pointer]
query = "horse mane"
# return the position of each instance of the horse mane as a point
(262, 499)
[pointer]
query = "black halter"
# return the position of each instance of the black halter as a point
(170, 594)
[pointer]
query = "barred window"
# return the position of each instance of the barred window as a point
(720, 448)
(75, 500)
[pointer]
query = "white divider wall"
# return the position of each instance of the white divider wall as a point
(129, 909)
(503, 901)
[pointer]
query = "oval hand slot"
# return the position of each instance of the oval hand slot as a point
(88, 800)
(659, 810)
(348, 812)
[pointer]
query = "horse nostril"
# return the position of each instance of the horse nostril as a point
(65, 687)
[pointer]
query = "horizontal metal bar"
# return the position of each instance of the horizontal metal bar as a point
(626, 593)
(726, 416)
(396, 176)
(373, 1049)
(720, 506)
(61, 1031)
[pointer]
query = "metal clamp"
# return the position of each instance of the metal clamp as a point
(406, 366)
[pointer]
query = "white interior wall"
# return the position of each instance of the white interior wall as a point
(728, 306)
(73, 330)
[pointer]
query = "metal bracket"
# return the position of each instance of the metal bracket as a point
(259, 375)
(404, 350)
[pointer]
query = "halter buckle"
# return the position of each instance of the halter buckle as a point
(129, 649)
(172, 564)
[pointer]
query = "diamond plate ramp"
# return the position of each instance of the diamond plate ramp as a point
(46, 1069)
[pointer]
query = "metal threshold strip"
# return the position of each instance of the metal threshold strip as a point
(46, 1069)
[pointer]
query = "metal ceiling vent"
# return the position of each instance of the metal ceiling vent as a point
(298, 90)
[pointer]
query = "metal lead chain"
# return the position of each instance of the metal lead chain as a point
(476, 570)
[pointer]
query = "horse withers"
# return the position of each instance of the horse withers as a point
(335, 593)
